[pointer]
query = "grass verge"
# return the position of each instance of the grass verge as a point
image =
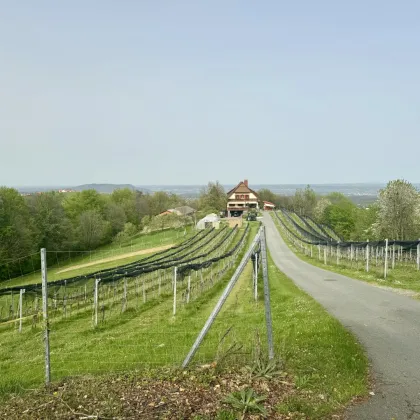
(401, 277)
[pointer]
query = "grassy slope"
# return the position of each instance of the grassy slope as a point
(401, 277)
(328, 366)
(138, 243)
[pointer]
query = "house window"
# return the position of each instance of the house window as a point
(247, 197)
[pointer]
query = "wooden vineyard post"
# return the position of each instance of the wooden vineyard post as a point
(386, 259)
(45, 315)
(325, 255)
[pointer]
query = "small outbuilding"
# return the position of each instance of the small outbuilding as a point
(211, 220)
(268, 205)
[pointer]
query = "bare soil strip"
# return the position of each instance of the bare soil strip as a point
(117, 257)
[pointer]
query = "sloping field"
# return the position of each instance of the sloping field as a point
(117, 257)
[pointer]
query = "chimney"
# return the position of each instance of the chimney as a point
(246, 182)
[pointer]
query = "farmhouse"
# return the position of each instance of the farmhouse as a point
(241, 199)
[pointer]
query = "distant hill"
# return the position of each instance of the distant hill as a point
(104, 188)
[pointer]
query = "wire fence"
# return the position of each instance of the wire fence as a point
(136, 322)
(376, 257)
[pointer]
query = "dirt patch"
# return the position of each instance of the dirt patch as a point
(117, 257)
(162, 395)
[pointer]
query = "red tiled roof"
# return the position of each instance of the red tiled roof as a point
(242, 188)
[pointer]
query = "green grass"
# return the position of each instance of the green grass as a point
(138, 243)
(143, 336)
(401, 277)
(327, 364)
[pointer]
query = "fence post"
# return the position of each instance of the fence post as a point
(256, 278)
(175, 275)
(393, 255)
(159, 282)
(96, 301)
(189, 288)
(367, 256)
(22, 291)
(125, 296)
(418, 255)
(45, 315)
(338, 255)
(220, 302)
(386, 259)
(325, 255)
(267, 303)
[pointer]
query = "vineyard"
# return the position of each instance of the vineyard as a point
(143, 313)
(396, 263)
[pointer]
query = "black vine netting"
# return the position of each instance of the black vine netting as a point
(162, 260)
(312, 237)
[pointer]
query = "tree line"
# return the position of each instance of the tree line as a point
(75, 221)
(87, 220)
(395, 214)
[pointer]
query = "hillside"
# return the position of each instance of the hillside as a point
(104, 188)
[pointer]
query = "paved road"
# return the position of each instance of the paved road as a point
(386, 323)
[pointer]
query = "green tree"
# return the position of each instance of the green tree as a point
(93, 229)
(213, 198)
(340, 215)
(142, 205)
(53, 230)
(126, 199)
(267, 195)
(116, 217)
(129, 231)
(304, 201)
(398, 211)
(89, 200)
(320, 208)
(16, 226)
(161, 201)
(366, 218)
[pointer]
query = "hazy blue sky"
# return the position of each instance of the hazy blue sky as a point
(182, 92)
